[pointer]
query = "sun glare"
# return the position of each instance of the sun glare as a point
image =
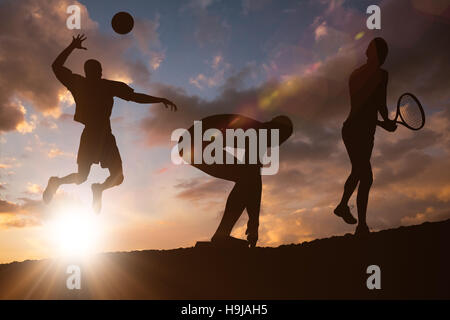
(76, 232)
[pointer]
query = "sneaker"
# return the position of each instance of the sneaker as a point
(343, 211)
(252, 238)
(97, 197)
(50, 191)
(229, 242)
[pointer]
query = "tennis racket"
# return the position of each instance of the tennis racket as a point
(410, 112)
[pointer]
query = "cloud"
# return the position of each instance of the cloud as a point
(198, 189)
(27, 212)
(147, 38)
(307, 80)
(200, 4)
(9, 162)
(26, 126)
(34, 189)
(321, 31)
(199, 81)
(8, 207)
(237, 80)
(249, 6)
(56, 152)
(33, 32)
(211, 30)
(10, 115)
(410, 168)
(19, 215)
(217, 76)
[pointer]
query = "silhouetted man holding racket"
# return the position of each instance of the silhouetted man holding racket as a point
(94, 98)
(368, 86)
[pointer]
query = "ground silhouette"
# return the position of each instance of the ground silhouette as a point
(414, 264)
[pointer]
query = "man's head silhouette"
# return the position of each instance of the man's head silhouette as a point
(282, 123)
(377, 51)
(92, 69)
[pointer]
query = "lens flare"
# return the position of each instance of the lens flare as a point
(75, 232)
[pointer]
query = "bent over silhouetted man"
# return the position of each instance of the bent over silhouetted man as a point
(246, 193)
(94, 99)
(368, 86)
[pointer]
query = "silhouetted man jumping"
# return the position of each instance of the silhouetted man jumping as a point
(368, 86)
(246, 193)
(94, 99)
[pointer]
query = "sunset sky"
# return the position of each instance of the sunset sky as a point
(259, 58)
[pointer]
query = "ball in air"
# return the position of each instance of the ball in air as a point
(122, 22)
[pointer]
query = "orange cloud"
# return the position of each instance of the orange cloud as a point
(55, 152)
(27, 53)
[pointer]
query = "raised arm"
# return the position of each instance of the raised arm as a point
(145, 98)
(58, 65)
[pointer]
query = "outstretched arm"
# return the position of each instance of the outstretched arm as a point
(58, 65)
(145, 98)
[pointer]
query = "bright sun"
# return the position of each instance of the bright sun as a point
(75, 232)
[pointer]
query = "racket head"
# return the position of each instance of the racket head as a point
(410, 112)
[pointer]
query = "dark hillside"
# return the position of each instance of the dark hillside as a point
(414, 262)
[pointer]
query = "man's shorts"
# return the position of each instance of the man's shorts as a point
(99, 147)
(359, 144)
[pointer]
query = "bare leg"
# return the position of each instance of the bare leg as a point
(233, 209)
(349, 188)
(115, 178)
(363, 194)
(342, 210)
(78, 177)
(54, 182)
(253, 209)
(357, 158)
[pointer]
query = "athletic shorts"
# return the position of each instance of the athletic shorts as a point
(99, 147)
(359, 144)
